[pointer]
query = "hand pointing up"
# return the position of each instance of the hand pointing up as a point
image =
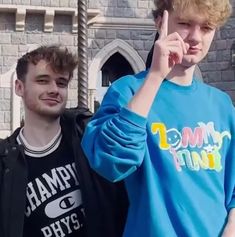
(168, 49)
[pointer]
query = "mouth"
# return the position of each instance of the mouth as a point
(175, 144)
(193, 50)
(51, 101)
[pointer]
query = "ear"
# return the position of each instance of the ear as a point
(19, 87)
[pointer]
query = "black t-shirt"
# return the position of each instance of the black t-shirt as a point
(53, 197)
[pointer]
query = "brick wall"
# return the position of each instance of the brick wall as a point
(216, 68)
(5, 108)
(124, 8)
(141, 41)
(48, 3)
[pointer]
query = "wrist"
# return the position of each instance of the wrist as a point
(155, 76)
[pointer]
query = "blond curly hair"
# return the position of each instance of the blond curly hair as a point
(216, 11)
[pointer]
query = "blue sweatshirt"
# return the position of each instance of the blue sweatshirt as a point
(178, 163)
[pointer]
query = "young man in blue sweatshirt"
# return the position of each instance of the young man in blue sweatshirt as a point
(169, 136)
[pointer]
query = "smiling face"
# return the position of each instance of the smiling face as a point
(195, 30)
(174, 138)
(44, 92)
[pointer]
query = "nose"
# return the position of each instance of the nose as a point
(195, 35)
(52, 87)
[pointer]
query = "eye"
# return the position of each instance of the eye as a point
(62, 83)
(42, 81)
(207, 28)
(183, 23)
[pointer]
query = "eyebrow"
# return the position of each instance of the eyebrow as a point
(183, 19)
(42, 76)
(48, 76)
(193, 21)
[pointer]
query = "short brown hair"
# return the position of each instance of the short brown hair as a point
(217, 11)
(59, 58)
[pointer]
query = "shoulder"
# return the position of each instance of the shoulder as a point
(131, 81)
(10, 139)
(218, 96)
(124, 87)
(72, 114)
(2, 146)
(217, 102)
(78, 117)
(8, 143)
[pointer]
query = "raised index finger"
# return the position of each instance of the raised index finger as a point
(164, 25)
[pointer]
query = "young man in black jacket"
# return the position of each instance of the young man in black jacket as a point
(46, 186)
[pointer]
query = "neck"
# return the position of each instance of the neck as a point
(181, 75)
(39, 131)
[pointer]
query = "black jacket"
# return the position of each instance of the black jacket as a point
(105, 203)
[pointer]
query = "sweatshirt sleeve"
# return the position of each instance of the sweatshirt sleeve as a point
(230, 177)
(114, 140)
(230, 165)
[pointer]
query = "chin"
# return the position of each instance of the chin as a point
(192, 59)
(52, 113)
(190, 62)
(51, 116)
